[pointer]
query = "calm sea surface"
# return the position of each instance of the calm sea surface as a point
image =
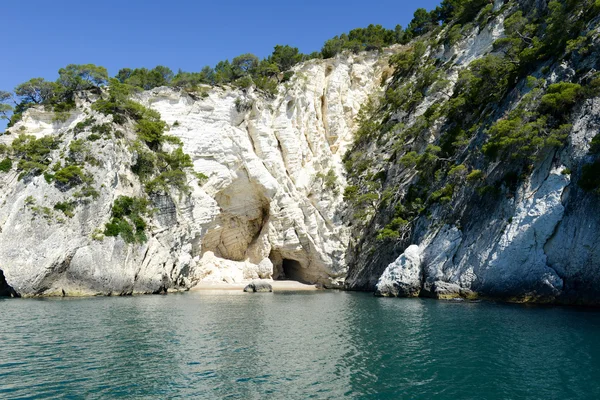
(295, 345)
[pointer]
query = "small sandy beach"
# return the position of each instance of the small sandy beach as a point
(278, 286)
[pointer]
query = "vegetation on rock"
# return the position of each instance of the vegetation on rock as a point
(127, 219)
(463, 130)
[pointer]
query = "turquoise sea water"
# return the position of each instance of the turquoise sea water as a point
(323, 345)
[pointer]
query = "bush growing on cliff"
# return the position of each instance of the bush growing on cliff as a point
(560, 97)
(127, 219)
(66, 207)
(33, 153)
(148, 125)
(151, 130)
(373, 37)
(144, 78)
(6, 165)
(475, 176)
(70, 176)
(460, 11)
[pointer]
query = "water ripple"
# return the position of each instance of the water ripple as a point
(295, 345)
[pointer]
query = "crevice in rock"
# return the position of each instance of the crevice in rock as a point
(5, 289)
(324, 114)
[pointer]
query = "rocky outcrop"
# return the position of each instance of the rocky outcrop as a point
(272, 205)
(402, 278)
(258, 286)
(263, 212)
(532, 237)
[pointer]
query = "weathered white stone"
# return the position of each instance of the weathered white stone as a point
(402, 278)
(264, 197)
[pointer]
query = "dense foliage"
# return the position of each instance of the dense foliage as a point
(127, 219)
(446, 149)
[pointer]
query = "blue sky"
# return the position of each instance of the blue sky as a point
(42, 36)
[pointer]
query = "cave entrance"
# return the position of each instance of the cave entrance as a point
(292, 270)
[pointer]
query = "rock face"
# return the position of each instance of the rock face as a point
(258, 286)
(402, 278)
(535, 239)
(5, 289)
(264, 212)
(272, 206)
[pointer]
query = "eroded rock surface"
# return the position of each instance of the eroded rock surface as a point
(402, 278)
(263, 212)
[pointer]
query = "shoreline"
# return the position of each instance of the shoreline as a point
(278, 286)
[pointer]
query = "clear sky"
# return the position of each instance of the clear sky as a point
(41, 36)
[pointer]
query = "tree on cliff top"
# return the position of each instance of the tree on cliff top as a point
(36, 90)
(76, 77)
(5, 109)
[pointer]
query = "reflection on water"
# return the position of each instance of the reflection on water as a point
(295, 345)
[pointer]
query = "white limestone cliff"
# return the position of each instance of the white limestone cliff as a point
(263, 213)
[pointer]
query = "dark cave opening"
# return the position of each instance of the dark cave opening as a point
(292, 270)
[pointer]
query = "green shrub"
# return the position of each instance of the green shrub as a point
(71, 175)
(268, 85)
(66, 207)
(244, 82)
(102, 130)
(329, 180)
(173, 140)
(127, 219)
(77, 148)
(29, 148)
(560, 97)
(34, 153)
(151, 131)
(6, 165)
(387, 234)
(61, 117)
(145, 165)
(443, 195)
(350, 193)
(457, 173)
(174, 178)
(87, 191)
(242, 105)
(83, 125)
(30, 167)
(475, 176)
(201, 178)
(521, 140)
(410, 159)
